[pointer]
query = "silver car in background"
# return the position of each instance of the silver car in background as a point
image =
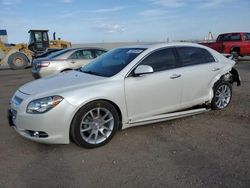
(63, 60)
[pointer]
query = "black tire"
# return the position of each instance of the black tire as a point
(235, 55)
(84, 125)
(217, 101)
(18, 61)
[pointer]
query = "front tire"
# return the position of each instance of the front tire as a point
(18, 61)
(94, 124)
(222, 95)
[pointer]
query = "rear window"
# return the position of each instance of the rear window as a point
(229, 37)
(194, 56)
(58, 53)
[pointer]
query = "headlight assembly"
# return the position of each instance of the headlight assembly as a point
(42, 105)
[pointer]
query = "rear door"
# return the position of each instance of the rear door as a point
(198, 70)
(155, 93)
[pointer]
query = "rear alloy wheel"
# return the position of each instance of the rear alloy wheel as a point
(18, 61)
(94, 124)
(222, 95)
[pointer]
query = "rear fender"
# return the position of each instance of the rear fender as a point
(228, 76)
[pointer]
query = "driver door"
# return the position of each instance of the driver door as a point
(155, 93)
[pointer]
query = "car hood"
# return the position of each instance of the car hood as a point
(62, 81)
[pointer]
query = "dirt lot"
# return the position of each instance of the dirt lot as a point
(207, 150)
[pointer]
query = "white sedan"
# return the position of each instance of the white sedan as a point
(125, 87)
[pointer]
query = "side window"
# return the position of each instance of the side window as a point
(247, 36)
(45, 37)
(229, 37)
(82, 54)
(99, 52)
(194, 56)
(38, 36)
(160, 60)
(235, 37)
(75, 55)
(87, 54)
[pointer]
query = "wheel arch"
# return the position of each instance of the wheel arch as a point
(100, 99)
(228, 76)
(223, 103)
(235, 49)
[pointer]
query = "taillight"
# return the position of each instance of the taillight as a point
(43, 64)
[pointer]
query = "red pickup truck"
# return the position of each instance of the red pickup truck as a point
(237, 44)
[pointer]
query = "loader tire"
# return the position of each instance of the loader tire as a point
(18, 61)
(1, 54)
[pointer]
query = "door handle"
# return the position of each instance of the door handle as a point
(73, 62)
(175, 76)
(215, 69)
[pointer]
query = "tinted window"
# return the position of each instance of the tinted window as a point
(229, 37)
(193, 56)
(82, 54)
(99, 52)
(112, 62)
(45, 37)
(247, 36)
(160, 60)
(38, 36)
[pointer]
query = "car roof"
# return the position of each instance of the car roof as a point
(83, 48)
(162, 45)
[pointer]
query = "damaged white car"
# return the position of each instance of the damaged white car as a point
(125, 87)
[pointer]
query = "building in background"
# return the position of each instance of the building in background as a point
(3, 35)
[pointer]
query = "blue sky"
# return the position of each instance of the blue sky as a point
(85, 21)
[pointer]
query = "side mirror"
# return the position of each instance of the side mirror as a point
(143, 69)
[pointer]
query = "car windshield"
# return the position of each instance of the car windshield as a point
(56, 54)
(112, 62)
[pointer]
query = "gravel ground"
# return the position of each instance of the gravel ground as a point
(207, 150)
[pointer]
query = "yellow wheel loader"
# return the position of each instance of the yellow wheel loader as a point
(19, 56)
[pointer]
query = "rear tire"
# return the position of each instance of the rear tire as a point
(235, 55)
(94, 124)
(18, 61)
(222, 95)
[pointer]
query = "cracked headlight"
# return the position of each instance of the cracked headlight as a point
(43, 105)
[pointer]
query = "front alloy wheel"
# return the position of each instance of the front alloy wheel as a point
(222, 95)
(95, 124)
